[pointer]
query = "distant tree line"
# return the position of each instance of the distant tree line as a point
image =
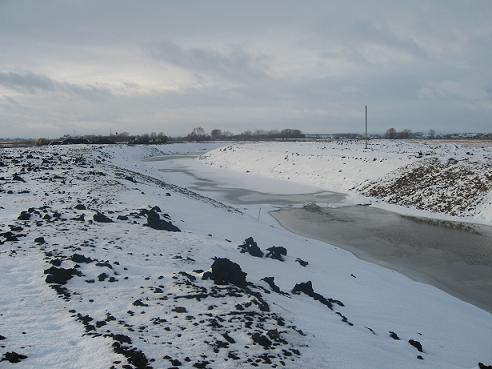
(123, 137)
(199, 134)
(392, 134)
(196, 135)
(152, 138)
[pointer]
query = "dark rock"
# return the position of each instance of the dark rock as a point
(180, 309)
(225, 271)
(416, 344)
(176, 362)
(61, 290)
(344, 318)
(302, 262)
(24, 215)
(60, 275)
(80, 218)
(139, 303)
(307, 289)
(101, 277)
(201, 364)
(261, 339)
(394, 335)
(122, 217)
(228, 338)
(13, 357)
(9, 236)
(121, 338)
(188, 276)
(80, 207)
(78, 258)
(18, 178)
(154, 221)
(271, 282)
(39, 240)
(274, 335)
(134, 357)
(304, 287)
(232, 355)
(484, 366)
(85, 319)
(104, 264)
(101, 218)
(251, 247)
(276, 252)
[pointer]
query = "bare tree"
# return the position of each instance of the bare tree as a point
(406, 133)
(216, 133)
(390, 133)
(198, 134)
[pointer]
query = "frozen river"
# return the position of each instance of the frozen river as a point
(454, 256)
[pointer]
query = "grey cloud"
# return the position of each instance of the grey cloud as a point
(236, 64)
(252, 64)
(34, 83)
(365, 31)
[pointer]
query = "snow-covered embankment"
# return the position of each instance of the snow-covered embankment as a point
(106, 264)
(442, 178)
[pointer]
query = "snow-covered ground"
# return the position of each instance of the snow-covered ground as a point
(450, 179)
(104, 288)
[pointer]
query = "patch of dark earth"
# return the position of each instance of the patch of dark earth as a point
(454, 187)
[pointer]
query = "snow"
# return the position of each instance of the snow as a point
(454, 334)
(52, 337)
(431, 177)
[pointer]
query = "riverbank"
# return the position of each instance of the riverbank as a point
(441, 179)
(425, 249)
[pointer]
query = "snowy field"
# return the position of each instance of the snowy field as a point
(446, 179)
(106, 263)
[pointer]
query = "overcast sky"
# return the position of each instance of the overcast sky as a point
(86, 66)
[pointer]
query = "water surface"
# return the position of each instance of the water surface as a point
(453, 256)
